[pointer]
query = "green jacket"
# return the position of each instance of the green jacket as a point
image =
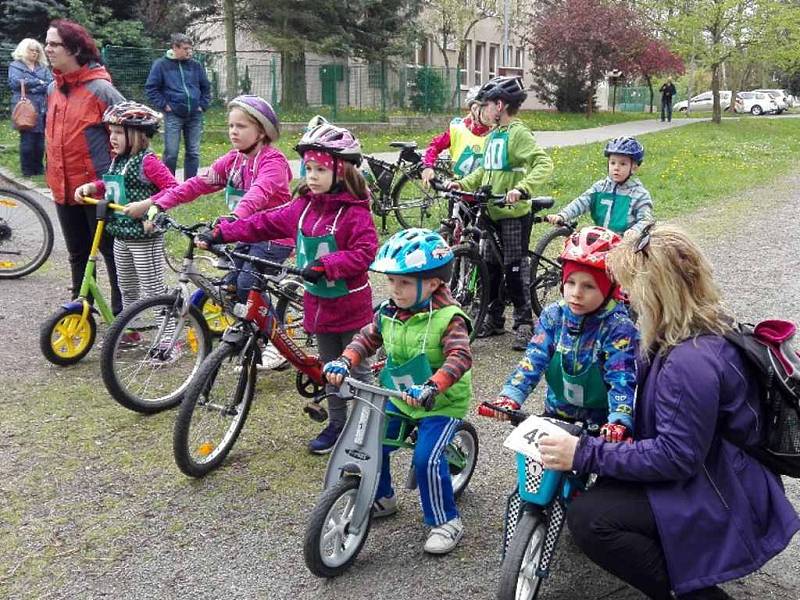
(521, 164)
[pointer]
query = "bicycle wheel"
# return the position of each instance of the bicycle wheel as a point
(415, 205)
(518, 577)
(66, 337)
(469, 284)
(290, 312)
(329, 547)
(150, 353)
(26, 234)
(215, 316)
(214, 409)
(545, 268)
(462, 456)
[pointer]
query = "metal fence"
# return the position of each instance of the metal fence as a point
(357, 91)
(634, 99)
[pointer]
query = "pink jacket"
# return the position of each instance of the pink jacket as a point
(153, 170)
(357, 243)
(265, 177)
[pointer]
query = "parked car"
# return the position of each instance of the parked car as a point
(783, 98)
(756, 103)
(704, 102)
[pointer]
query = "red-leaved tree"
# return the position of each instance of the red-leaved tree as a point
(657, 60)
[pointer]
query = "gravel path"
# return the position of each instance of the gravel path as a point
(251, 546)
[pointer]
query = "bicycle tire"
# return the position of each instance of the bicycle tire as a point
(522, 559)
(415, 205)
(469, 284)
(13, 238)
(197, 458)
(64, 338)
(546, 270)
(465, 443)
(316, 560)
(290, 313)
(137, 376)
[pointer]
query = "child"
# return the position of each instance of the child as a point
(315, 121)
(513, 164)
(619, 202)
(135, 173)
(426, 337)
(584, 345)
(464, 138)
(336, 242)
(255, 177)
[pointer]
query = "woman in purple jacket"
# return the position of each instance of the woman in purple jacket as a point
(336, 242)
(684, 507)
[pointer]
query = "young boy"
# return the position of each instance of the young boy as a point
(619, 202)
(426, 337)
(513, 164)
(584, 345)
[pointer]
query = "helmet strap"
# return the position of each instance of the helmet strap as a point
(247, 151)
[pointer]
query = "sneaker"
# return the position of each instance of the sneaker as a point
(130, 339)
(488, 329)
(163, 355)
(271, 358)
(326, 440)
(384, 507)
(444, 538)
(522, 337)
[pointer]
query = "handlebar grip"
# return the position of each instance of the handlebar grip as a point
(542, 202)
(439, 185)
(487, 409)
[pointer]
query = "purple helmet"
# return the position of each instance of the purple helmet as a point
(333, 140)
(261, 111)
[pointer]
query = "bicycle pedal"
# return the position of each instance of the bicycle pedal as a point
(316, 412)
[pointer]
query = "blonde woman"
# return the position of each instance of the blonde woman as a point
(683, 507)
(30, 66)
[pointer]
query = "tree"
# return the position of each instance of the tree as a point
(162, 18)
(657, 60)
(575, 43)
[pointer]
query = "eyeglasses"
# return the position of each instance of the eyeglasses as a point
(644, 238)
(53, 44)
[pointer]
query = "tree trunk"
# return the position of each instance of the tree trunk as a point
(293, 80)
(649, 81)
(231, 71)
(716, 115)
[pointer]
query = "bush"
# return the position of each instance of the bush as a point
(430, 93)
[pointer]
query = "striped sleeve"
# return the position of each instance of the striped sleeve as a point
(365, 343)
(457, 354)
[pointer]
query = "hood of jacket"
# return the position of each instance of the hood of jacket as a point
(86, 73)
(336, 199)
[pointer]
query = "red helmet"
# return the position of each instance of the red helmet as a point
(589, 246)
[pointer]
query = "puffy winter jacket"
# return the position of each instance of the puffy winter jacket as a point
(182, 84)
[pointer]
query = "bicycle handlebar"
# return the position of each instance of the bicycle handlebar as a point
(162, 221)
(487, 409)
(95, 201)
(224, 250)
(483, 195)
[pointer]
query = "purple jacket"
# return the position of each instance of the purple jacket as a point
(357, 243)
(720, 514)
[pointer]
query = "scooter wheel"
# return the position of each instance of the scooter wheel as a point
(66, 337)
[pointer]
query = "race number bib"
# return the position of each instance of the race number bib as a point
(527, 435)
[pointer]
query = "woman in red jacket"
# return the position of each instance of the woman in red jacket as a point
(76, 141)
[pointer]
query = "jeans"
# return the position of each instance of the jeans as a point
(192, 128)
(666, 107)
(31, 153)
(266, 250)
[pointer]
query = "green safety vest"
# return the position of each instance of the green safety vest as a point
(586, 389)
(311, 248)
(611, 210)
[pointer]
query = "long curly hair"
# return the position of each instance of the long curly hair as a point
(671, 287)
(77, 41)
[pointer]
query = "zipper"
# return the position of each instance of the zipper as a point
(716, 489)
(185, 89)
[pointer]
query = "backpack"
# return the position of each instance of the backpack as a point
(767, 347)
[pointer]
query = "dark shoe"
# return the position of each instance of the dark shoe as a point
(326, 440)
(522, 337)
(488, 329)
(711, 593)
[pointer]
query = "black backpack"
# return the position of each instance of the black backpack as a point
(766, 346)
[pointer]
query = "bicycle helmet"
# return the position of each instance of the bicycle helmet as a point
(590, 246)
(333, 140)
(626, 146)
(315, 121)
(508, 89)
(261, 111)
(134, 115)
(472, 96)
(415, 253)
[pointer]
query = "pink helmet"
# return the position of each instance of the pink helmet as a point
(333, 140)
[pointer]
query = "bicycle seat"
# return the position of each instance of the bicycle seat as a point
(403, 145)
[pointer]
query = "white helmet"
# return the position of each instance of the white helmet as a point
(315, 121)
(336, 141)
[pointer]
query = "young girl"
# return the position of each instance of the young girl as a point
(254, 175)
(336, 242)
(584, 345)
(135, 173)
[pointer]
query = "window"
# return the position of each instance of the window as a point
(462, 65)
(480, 50)
(519, 57)
(494, 52)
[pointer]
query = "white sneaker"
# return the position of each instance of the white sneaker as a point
(445, 537)
(384, 507)
(271, 358)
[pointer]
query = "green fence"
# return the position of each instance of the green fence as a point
(342, 91)
(635, 99)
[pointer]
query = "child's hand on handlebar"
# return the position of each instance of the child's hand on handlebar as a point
(513, 196)
(336, 370)
(421, 396)
(453, 185)
(500, 402)
(136, 210)
(426, 176)
(616, 432)
(555, 219)
(209, 238)
(314, 271)
(87, 189)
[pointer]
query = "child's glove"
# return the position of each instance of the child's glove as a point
(500, 402)
(314, 271)
(212, 237)
(422, 396)
(615, 432)
(336, 370)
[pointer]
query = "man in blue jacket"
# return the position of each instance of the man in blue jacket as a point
(178, 86)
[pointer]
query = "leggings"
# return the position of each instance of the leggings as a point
(140, 268)
(331, 346)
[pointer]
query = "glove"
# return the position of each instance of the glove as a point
(615, 432)
(314, 271)
(423, 395)
(340, 366)
(212, 237)
(225, 219)
(500, 402)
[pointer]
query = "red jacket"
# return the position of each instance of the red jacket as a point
(76, 140)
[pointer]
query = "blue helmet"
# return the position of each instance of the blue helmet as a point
(414, 253)
(626, 146)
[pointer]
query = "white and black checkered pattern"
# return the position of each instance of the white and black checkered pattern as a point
(556, 513)
(513, 512)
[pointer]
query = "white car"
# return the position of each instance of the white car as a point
(756, 103)
(783, 98)
(704, 102)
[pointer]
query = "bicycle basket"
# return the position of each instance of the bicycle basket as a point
(383, 173)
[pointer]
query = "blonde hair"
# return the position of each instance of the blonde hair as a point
(671, 287)
(22, 47)
(136, 139)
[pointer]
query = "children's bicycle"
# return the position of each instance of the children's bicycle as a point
(536, 509)
(26, 234)
(340, 521)
(68, 335)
